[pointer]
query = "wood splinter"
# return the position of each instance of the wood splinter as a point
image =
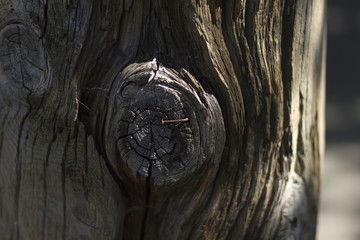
(163, 121)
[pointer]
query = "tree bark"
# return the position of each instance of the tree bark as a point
(161, 119)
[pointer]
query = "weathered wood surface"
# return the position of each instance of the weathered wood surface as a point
(243, 80)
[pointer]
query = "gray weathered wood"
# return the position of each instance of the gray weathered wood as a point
(161, 119)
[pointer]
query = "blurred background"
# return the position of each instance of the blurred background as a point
(339, 216)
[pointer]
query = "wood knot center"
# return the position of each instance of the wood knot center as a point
(155, 129)
(159, 127)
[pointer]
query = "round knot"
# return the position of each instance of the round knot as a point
(153, 129)
(159, 127)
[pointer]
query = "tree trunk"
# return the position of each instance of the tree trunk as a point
(161, 119)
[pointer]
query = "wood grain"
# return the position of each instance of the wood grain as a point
(248, 75)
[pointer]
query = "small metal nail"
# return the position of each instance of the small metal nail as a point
(163, 121)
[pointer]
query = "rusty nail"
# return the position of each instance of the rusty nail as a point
(174, 121)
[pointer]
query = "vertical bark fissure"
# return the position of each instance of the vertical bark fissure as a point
(19, 166)
(45, 18)
(147, 201)
(287, 36)
(2, 127)
(63, 189)
(45, 186)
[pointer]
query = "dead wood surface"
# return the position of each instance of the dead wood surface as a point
(161, 119)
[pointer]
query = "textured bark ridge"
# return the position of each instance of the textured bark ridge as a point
(162, 128)
(219, 137)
